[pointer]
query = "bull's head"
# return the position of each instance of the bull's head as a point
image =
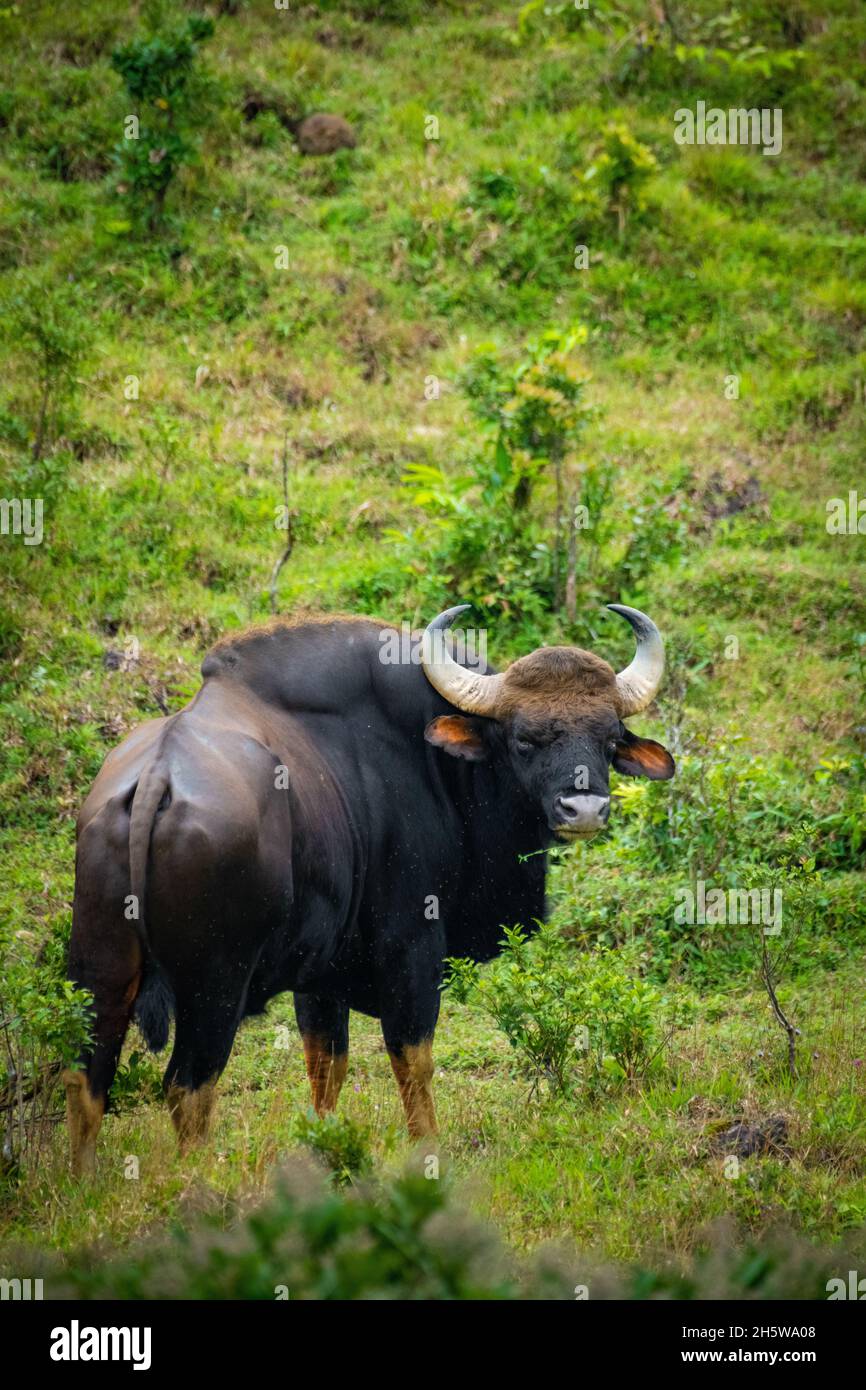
(557, 716)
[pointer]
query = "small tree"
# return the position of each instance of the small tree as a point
(538, 413)
(777, 947)
(158, 72)
(49, 321)
(44, 1024)
(621, 169)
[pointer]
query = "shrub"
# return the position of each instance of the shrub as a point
(310, 1241)
(473, 542)
(726, 809)
(137, 1081)
(562, 1008)
(537, 411)
(44, 1023)
(158, 73)
(50, 321)
(341, 1142)
(481, 537)
(621, 169)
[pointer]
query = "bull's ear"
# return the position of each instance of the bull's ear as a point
(643, 757)
(458, 736)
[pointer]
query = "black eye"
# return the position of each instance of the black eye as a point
(524, 745)
(610, 747)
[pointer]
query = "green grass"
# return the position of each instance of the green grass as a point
(402, 261)
(631, 1176)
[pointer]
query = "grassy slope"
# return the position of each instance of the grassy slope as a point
(738, 264)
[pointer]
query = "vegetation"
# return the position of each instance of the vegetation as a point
(157, 71)
(518, 348)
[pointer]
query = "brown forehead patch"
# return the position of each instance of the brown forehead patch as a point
(558, 681)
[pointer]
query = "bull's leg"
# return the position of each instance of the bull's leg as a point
(413, 1068)
(208, 1012)
(105, 956)
(324, 1027)
(87, 1089)
(410, 973)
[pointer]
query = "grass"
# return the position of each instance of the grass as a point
(402, 260)
(632, 1176)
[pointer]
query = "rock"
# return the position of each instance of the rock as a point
(726, 496)
(323, 134)
(745, 1140)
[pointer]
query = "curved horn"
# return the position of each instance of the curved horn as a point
(638, 683)
(470, 691)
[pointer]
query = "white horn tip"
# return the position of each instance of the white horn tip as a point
(639, 621)
(446, 619)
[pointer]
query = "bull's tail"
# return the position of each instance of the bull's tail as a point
(154, 1007)
(155, 1003)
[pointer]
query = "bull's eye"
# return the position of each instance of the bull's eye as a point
(524, 745)
(610, 747)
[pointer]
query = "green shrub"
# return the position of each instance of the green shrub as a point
(563, 1010)
(49, 322)
(137, 1081)
(481, 537)
(621, 169)
(158, 72)
(727, 808)
(536, 412)
(473, 542)
(312, 1241)
(341, 1142)
(44, 1023)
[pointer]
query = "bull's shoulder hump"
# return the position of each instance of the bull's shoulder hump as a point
(318, 664)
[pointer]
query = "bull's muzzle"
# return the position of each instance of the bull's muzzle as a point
(579, 817)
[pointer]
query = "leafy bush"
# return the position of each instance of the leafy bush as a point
(486, 535)
(481, 537)
(562, 1008)
(158, 72)
(44, 1023)
(137, 1081)
(51, 322)
(341, 1142)
(541, 19)
(515, 227)
(474, 542)
(537, 411)
(725, 56)
(726, 809)
(313, 1241)
(621, 169)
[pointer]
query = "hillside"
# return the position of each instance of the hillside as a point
(336, 334)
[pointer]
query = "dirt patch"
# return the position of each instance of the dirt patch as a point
(732, 489)
(763, 1137)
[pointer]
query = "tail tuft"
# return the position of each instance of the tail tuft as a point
(154, 1007)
